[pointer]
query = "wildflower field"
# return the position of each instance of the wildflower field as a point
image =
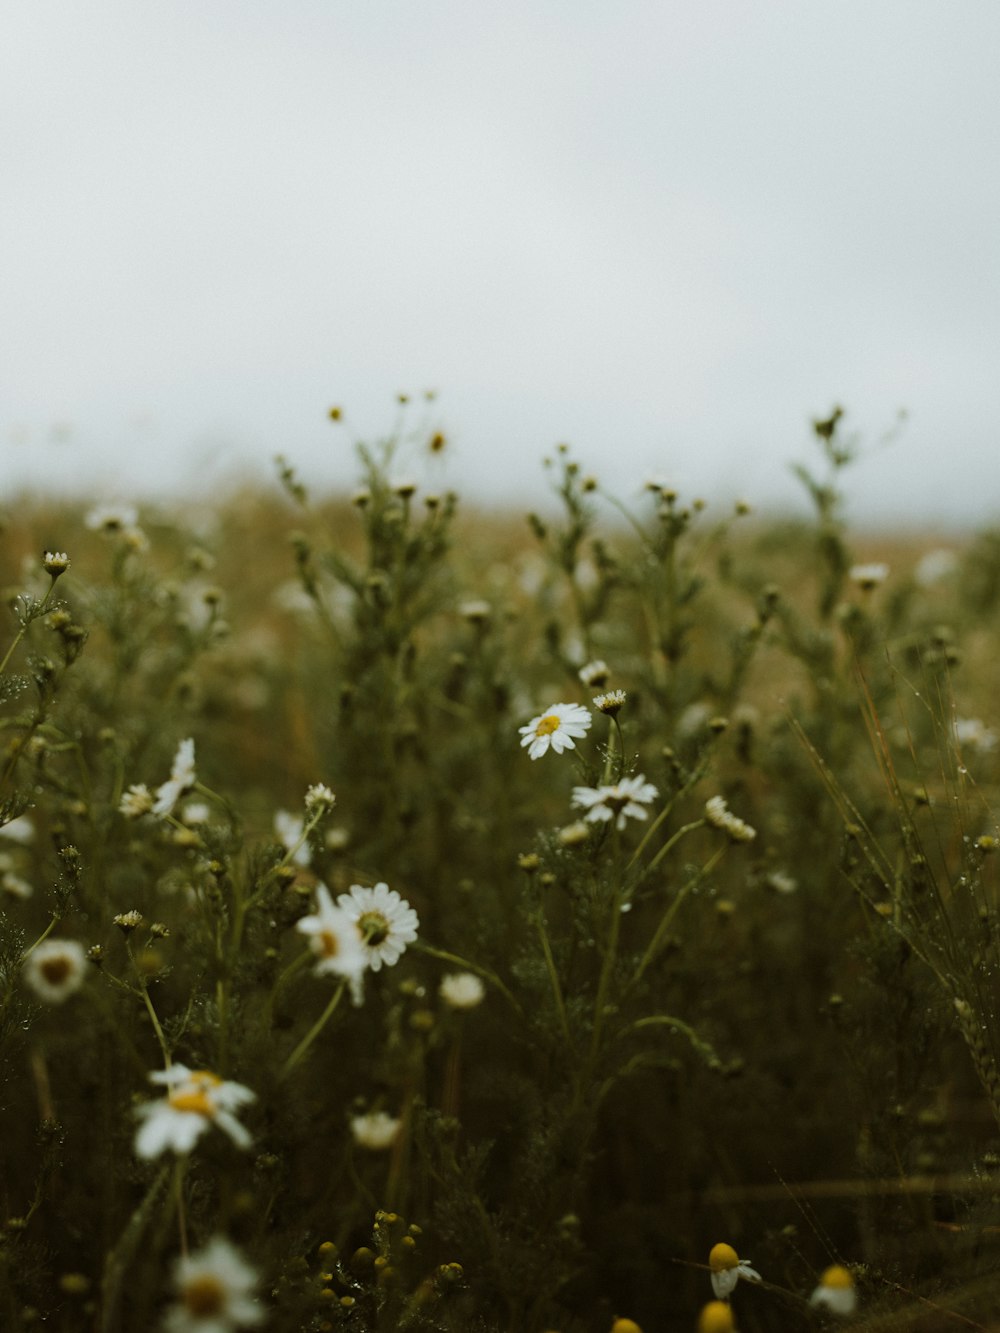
(416, 919)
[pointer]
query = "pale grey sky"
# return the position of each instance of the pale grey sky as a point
(666, 232)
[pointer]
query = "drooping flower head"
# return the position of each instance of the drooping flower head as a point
(560, 726)
(215, 1288)
(835, 1291)
(619, 801)
(727, 1269)
(718, 814)
(196, 1099)
(386, 921)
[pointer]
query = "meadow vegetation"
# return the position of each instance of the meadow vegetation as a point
(420, 919)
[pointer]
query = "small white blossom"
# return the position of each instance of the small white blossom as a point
(20, 830)
(289, 830)
(14, 885)
(611, 703)
(55, 969)
(215, 1289)
(718, 814)
(195, 812)
(560, 726)
(727, 1269)
(195, 1100)
(319, 796)
(375, 1130)
(386, 921)
(111, 518)
(868, 576)
(136, 802)
(619, 801)
(182, 778)
(462, 990)
(972, 731)
(594, 674)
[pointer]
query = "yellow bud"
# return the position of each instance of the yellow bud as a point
(716, 1317)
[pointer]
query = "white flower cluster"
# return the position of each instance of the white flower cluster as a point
(366, 929)
(619, 801)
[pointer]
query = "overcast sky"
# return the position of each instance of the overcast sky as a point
(667, 232)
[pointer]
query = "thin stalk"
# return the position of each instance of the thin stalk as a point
(314, 1031)
(653, 948)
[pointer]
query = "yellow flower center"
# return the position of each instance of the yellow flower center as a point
(722, 1256)
(547, 725)
(55, 970)
(204, 1296)
(192, 1099)
(837, 1277)
(374, 927)
(329, 944)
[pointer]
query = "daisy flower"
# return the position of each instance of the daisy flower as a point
(182, 778)
(336, 941)
(559, 726)
(595, 674)
(111, 518)
(195, 1100)
(462, 990)
(215, 1289)
(835, 1291)
(375, 1130)
(869, 576)
(727, 1269)
(620, 801)
(55, 969)
(386, 921)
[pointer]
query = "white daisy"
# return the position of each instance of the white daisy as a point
(727, 1269)
(619, 801)
(336, 941)
(215, 1289)
(386, 921)
(559, 726)
(195, 1100)
(55, 969)
(868, 576)
(835, 1291)
(972, 731)
(289, 830)
(462, 990)
(111, 518)
(594, 674)
(182, 778)
(375, 1130)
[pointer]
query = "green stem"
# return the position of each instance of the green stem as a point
(314, 1031)
(653, 948)
(553, 978)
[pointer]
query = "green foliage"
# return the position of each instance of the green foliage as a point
(723, 968)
